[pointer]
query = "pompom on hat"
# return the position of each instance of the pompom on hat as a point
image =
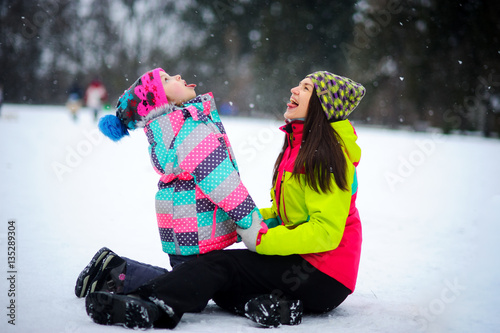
(143, 96)
(338, 95)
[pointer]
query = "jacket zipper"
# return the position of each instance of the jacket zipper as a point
(281, 194)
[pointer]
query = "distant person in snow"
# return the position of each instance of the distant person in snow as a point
(95, 96)
(200, 199)
(304, 256)
(75, 99)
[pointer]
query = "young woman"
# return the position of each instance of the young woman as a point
(307, 252)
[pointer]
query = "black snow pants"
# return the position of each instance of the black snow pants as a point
(232, 277)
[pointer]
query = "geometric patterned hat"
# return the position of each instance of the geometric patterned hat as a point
(338, 95)
(143, 96)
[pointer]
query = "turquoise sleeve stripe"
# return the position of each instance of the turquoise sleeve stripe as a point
(187, 128)
(217, 176)
(184, 198)
(354, 183)
(165, 194)
(246, 222)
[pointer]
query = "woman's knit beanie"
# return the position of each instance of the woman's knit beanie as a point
(134, 104)
(339, 95)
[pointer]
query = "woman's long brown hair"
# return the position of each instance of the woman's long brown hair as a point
(320, 153)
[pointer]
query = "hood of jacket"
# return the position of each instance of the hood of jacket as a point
(344, 128)
(348, 134)
(199, 108)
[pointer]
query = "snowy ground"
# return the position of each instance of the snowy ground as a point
(429, 206)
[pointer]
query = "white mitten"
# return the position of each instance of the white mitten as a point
(251, 236)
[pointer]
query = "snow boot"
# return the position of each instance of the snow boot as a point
(112, 309)
(110, 276)
(129, 311)
(270, 311)
(89, 272)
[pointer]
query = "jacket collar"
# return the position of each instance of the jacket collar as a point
(293, 130)
(198, 108)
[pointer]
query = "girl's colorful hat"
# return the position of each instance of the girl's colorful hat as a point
(143, 96)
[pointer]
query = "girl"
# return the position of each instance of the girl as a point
(200, 199)
(308, 249)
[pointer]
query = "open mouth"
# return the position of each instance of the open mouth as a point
(192, 85)
(292, 103)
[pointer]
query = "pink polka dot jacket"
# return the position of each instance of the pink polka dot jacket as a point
(201, 197)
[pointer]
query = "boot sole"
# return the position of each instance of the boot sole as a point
(275, 312)
(291, 312)
(111, 309)
(89, 272)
